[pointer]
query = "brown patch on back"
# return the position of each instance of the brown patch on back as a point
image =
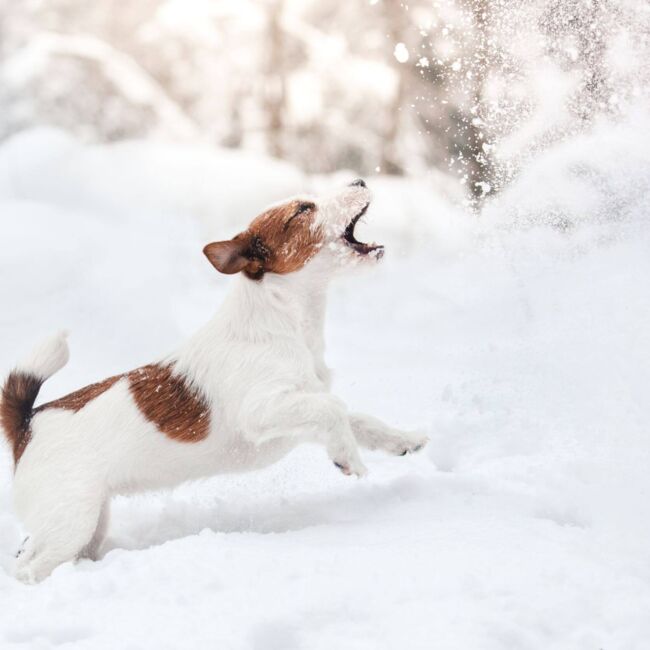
(281, 240)
(165, 399)
(18, 395)
(77, 400)
(179, 411)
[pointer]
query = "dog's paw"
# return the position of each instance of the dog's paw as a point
(357, 468)
(25, 575)
(347, 459)
(405, 442)
(344, 453)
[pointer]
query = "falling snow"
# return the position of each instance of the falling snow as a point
(401, 53)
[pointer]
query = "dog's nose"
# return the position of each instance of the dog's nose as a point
(358, 183)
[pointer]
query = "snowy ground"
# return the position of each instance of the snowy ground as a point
(520, 342)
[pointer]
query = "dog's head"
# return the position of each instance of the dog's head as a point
(284, 238)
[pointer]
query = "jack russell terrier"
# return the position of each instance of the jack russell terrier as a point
(239, 395)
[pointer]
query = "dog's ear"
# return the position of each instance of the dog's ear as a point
(227, 256)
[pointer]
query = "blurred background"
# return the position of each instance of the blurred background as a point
(471, 88)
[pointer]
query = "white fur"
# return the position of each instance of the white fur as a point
(48, 357)
(260, 363)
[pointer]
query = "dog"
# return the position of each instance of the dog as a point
(240, 394)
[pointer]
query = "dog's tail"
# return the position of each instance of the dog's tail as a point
(22, 386)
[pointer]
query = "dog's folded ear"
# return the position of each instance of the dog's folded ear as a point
(227, 256)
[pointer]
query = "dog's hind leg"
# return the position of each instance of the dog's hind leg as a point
(91, 550)
(372, 433)
(61, 522)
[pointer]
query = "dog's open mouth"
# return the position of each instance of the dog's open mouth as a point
(359, 247)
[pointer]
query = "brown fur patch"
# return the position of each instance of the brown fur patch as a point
(281, 240)
(77, 400)
(18, 395)
(286, 236)
(163, 398)
(166, 400)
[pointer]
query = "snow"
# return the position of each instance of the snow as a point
(401, 53)
(518, 340)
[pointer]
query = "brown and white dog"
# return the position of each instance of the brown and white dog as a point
(239, 395)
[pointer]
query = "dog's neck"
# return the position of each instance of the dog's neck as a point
(278, 306)
(275, 308)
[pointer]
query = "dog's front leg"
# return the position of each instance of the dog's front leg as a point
(372, 433)
(314, 417)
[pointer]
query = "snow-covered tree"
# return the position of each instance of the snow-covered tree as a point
(400, 86)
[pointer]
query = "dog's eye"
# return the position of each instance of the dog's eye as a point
(304, 207)
(301, 209)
